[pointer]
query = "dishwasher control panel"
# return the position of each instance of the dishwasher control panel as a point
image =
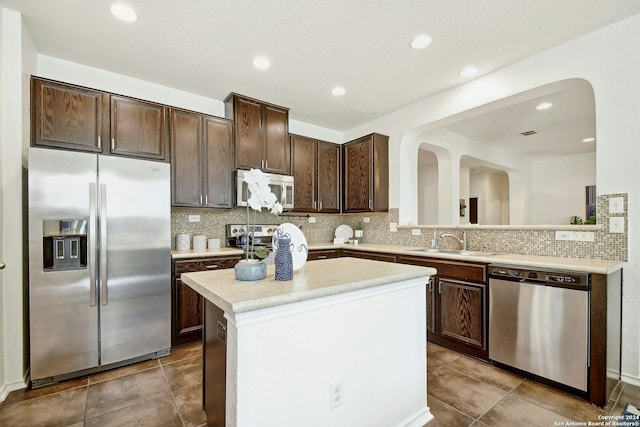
(542, 276)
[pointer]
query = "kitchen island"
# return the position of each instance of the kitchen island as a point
(343, 344)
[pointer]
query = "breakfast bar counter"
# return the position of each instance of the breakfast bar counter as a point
(342, 344)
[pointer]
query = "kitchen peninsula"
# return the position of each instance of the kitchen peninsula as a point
(342, 344)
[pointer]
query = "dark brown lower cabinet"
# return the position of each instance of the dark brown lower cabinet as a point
(186, 304)
(457, 304)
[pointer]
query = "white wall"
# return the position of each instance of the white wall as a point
(608, 59)
(16, 51)
(558, 190)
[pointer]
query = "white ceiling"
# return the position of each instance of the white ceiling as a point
(207, 46)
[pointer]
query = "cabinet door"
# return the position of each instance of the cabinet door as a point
(303, 169)
(186, 159)
(138, 128)
(462, 312)
(186, 305)
(276, 151)
(187, 325)
(328, 177)
(247, 116)
(65, 116)
(358, 175)
(219, 159)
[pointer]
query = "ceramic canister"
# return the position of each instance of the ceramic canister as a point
(213, 243)
(183, 242)
(199, 242)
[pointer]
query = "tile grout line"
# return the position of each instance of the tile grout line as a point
(173, 397)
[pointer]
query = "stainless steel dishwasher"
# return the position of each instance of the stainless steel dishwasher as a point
(539, 322)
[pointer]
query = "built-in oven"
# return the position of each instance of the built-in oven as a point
(539, 323)
(280, 185)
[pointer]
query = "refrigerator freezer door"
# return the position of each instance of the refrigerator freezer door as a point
(63, 324)
(135, 292)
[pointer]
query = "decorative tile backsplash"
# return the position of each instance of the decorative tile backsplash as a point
(527, 240)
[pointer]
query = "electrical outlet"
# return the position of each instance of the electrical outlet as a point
(366, 219)
(416, 232)
(393, 227)
(336, 394)
(616, 224)
(312, 220)
(585, 236)
(565, 235)
(194, 218)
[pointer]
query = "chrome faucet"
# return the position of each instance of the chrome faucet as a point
(462, 241)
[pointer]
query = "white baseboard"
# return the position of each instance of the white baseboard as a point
(418, 419)
(8, 388)
(630, 380)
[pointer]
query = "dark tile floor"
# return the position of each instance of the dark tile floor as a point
(461, 391)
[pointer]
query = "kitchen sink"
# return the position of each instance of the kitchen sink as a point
(455, 252)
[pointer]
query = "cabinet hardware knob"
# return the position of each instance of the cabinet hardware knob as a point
(2, 265)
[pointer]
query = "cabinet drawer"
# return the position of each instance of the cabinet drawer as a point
(322, 254)
(459, 270)
(204, 264)
(375, 256)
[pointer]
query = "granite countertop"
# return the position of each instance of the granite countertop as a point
(317, 279)
(538, 261)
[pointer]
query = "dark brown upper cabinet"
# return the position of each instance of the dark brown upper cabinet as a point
(76, 118)
(138, 128)
(365, 171)
(67, 116)
(261, 133)
(315, 166)
(202, 160)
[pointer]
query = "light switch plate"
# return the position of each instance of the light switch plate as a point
(416, 232)
(194, 218)
(616, 224)
(616, 205)
(393, 227)
(312, 219)
(366, 219)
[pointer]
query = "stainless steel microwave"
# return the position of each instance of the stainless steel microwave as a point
(281, 186)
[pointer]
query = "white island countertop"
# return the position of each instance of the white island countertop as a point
(316, 279)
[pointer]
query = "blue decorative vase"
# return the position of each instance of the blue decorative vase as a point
(284, 260)
(249, 270)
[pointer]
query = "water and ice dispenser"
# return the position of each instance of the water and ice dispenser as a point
(64, 244)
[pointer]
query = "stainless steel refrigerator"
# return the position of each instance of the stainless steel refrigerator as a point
(99, 262)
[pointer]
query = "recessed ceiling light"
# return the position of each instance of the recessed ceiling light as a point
(543, 106)
(421, 41)
(468, 71)
(124, 12)
(261, 63)
(590, 139)
(338, 91)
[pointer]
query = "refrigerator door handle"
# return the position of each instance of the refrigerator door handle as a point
(92, 244)
(103, 245)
